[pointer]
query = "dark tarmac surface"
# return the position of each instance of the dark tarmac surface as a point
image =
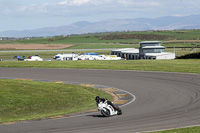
(163, 101)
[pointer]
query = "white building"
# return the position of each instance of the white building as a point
(147, 50)
(127, 53)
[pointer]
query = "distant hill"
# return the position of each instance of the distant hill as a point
(139, 24)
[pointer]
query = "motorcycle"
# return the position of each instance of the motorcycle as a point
(107, 110)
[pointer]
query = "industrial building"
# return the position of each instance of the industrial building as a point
(147, 50)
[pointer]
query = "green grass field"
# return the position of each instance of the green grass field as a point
(105, 40)
(25, 100)
(178, 65)
(103, 46)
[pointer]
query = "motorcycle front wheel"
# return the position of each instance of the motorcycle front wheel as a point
(105, 113)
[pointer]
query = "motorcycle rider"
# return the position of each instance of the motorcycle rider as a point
(98, 100)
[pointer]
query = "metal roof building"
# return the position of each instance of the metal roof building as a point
(147, 50)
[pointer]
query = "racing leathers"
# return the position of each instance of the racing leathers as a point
(108, 102)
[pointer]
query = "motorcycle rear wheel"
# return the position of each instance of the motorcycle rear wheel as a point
(119, 111)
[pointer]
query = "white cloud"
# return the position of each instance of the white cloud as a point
(33, 9)
(74, 2)
(109, 2)
(142, 8)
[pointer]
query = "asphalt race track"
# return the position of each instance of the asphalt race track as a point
(163, 101)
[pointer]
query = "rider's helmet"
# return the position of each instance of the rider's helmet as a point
(97, 98)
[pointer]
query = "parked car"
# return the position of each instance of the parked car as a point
(34, 58)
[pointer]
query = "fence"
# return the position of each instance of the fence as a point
(179, 51)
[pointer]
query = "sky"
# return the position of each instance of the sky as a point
(33, 14)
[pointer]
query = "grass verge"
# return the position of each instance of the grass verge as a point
(25, 100)
(171, 37)
(178, 65)
(181, 130)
